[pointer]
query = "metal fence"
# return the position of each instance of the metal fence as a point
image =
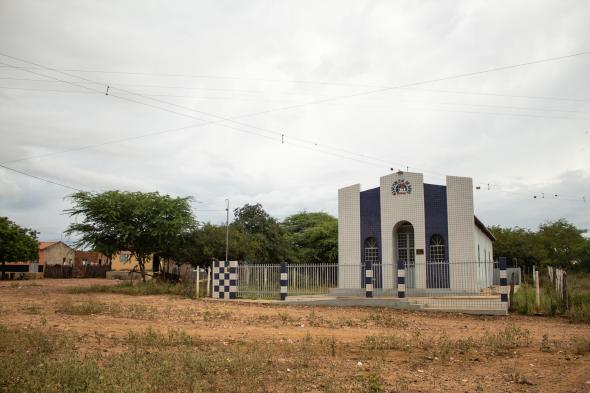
(444, 278)
(259, 281)
(312, 279)
(422, 279)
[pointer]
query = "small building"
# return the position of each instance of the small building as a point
(124, 260)
(90, 258)
(55, 253)
(431, 228)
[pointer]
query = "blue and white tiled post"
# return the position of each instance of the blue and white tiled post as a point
(503, 281)
(369, 279)
(284, 280)
(401, 279)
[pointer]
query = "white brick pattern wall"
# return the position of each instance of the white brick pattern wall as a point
(349, 236)
(396, 208)
(461, 231)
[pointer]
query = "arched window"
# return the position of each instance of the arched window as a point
(371, 250)
(437, 249)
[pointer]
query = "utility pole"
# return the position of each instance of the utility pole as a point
(226, 230)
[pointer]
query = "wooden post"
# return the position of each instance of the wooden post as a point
(197, 283)
(511, 297)
(207, 292)
(564, 290)
(537, 292)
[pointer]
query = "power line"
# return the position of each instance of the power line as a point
(230, 119)
(520, 108)
(40, 178)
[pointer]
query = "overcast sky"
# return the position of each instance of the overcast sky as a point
(305, 69)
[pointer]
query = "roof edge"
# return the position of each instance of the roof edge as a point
(483, 228)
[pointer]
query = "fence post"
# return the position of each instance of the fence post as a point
(564, 290)
(368, 279)
(233, 279)
(208, 290)
(284, 280)
(503, 281)
(197, 279)
(401, 279)
(511, 298)
(537, 292)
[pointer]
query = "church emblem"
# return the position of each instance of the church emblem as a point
(401, 187)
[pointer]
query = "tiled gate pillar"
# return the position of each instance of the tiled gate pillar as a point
(369, 278)
(503, 281)
(225, 279)
(401, 279)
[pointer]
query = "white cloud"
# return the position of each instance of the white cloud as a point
(377, 43)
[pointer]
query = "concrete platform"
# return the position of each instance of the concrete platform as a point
(478, 305)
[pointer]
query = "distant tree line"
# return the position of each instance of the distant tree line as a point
(149, 223)
(256, 237)
(557, 243)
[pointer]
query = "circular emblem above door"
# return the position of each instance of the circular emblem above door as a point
(401, 187)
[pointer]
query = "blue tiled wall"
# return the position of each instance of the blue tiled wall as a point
(370, 201)
(435, 212)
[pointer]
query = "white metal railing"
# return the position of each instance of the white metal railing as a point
(312, 279)
(259, 281)
(444, 278)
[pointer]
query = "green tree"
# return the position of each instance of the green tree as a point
(563, 243)
(519, 245)
(312, 237)
(202, 245)
(141, 223)
(557, 243)
(263, 236)
(17, 244)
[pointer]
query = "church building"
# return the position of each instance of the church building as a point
(431, 228)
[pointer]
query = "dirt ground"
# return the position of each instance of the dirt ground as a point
(545, 365)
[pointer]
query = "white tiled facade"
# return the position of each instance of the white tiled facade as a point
(349, 236)
(462, 236)
(394, 210)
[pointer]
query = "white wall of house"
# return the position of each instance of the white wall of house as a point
(461, 234)
(395, 209)
(349, 237)
(484, 253)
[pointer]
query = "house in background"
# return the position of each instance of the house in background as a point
(126, 261)
(55, 253)
(90, 258)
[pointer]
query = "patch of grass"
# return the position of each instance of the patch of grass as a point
(552, 304)
(81, 308)
(511, 337)
(45, 361)
(151, 287)
(384, 318)
(395, 343)
(581, 345)
(33, 309)
(153, 338)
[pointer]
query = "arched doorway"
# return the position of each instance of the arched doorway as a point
(403, 242)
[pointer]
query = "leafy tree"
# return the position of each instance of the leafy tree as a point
(263, 236)
(557, 243)
(563, 243)
(312, 237)
(519, 245)
(202, 245)
(16, 243)
(141, 223)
